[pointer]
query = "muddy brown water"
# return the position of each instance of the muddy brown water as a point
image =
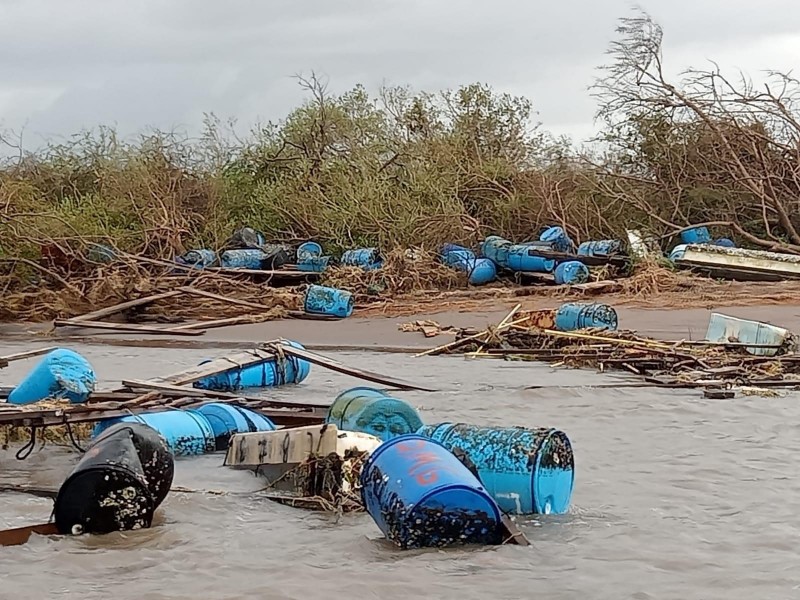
(676, 496)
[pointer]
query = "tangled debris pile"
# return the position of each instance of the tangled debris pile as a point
(689, 364)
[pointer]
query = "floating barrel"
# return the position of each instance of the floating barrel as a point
(199, 259)
(573, 316)
(725, 243)
(308, 250)
(520, 259)
(571, 272)
(527, 471)
(61, 374)
(696, 235)
(366, 258)
(558, 237)
(600, 248)
(243, 258)
(269, 373)
(321, 300)
(368, 410)
(420, 495)
(187, 432)
(122, 478)
(227, 419)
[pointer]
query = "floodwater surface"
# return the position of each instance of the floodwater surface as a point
(676, 497)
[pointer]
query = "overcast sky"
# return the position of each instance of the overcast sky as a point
(72, 64)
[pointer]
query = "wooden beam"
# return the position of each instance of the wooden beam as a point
(214, 367)
(245, 319)
(236, 301)
(126, 327)
(4, 360)
(117, 308)
(20, 535)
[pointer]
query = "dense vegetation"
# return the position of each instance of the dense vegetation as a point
(415, 169)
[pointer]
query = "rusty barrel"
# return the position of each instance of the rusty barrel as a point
(122, 478)
(420, 495)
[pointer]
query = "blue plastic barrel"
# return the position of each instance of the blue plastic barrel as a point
(100, 253)
(321, 300)
(269, 373)
(187, 432)
(315, 264)
(61, 374)
(452, 248)
(243, 258)
(199, 259)
(558, 237)
(308, 250)
(678, 252)
(458, 258)
(366, 258)
(481, 271)
(696, 235)
(519, 259)
(421, 496)
(725, 243)
(368, 410)
(571, 272)
(495, 249)
(227, 419)
(600, 248)
(527, 471)
(574, 315)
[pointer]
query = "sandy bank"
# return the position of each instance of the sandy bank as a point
(382, 333)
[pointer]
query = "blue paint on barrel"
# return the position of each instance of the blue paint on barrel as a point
(559, 238)
(458, 258)
(420, 496)
(495, 249)
(481, 271)
(571, 272)
(574, 315)
(61, 374)
(187, 432)
(369, 410)
(269, 373)
(678, 252)
(366, 258)
(527, 471)
(243, 258)
(696, 235)
(725, 243)
(227, 419)
(520, 259)
(321, 300)
(308, 250)
(199, 259)
(600, 248)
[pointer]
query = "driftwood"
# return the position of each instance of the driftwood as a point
(4, 360)
(124, 327)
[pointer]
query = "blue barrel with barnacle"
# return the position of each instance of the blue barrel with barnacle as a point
(520, 259)
(243, 258)
(61, 374)
(124, 475)
(600, 248)
(527, 471)
(366, 258)
(270, 372)
(421, 496)
(328, 301)
(571, 272)
(574, 315)
(696, 235)
(198, 259)
(227, 420)
(369, 410)
(187, 432)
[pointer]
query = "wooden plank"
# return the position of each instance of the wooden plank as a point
(292, 446)
(236, 301)
(245, 319)
(117, 308)
(513, 533)
(125, 327)
(168, 389)
(20, 535)
(4, 360)
(334, 365)
(214, 367)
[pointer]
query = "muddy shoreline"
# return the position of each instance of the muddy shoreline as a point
(377, 333)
